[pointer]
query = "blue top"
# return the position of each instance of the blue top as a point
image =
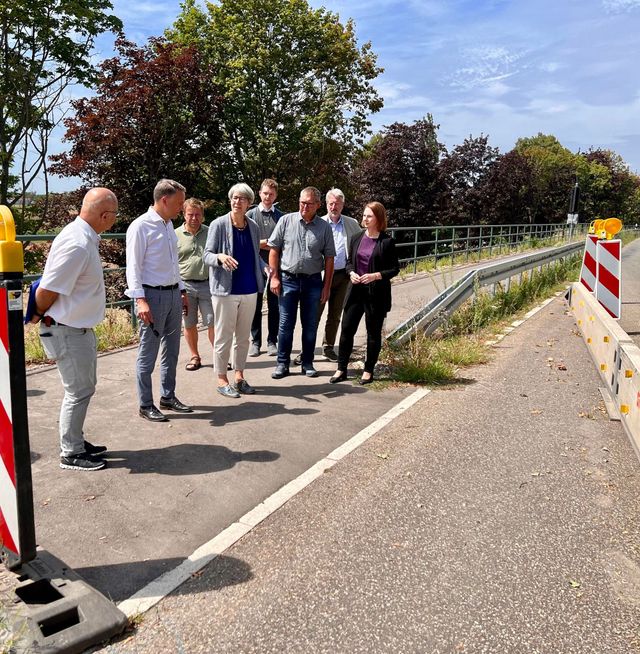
(243, 279)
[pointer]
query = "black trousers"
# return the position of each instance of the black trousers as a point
(359, 303)
(273, 318)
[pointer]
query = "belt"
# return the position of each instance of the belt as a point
(339, 270)
(194, 281)
(170, 287)
(286, 272)
(48, 321)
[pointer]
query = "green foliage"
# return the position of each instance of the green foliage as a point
(297, 88)
(46, 45)
(485, 309)
(399, 168)
(155, 114)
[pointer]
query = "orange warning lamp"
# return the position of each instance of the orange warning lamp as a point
(611, 227)
(595, 226)
(11, 257)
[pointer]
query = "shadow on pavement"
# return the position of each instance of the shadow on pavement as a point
(222, 571)
(185, 459)
(254, 411)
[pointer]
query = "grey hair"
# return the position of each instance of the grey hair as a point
(166, 187)
(336, 193)
(243, 190)
(314, 191)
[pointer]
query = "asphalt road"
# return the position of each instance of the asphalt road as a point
(173, 486)
(499, 515)
(630, 317)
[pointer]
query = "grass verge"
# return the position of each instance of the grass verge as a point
(460, 342)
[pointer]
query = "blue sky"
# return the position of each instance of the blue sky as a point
(506, 68)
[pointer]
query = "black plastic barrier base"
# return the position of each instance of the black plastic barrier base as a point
(55, 611)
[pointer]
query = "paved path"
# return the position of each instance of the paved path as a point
(630, 318)
(171, 487)
(499, 515)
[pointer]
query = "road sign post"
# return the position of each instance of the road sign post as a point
(17, 530)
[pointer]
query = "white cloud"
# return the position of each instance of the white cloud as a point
(551, 66)
(485, 65)
(617, 6)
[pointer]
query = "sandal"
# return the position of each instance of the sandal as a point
(195, 363)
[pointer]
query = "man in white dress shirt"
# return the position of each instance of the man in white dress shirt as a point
(69, 302)
(153, 280)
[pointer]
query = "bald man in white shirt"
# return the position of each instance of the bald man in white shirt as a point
(70, 301)
(153, 280)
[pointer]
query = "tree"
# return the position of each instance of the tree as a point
(399, 168)
(294, 83)
(155, 114)
(618, 197)
(46, 45)
(462, 172)
(505, 194)
(555, 171)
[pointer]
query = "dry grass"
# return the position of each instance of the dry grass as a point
(114, 332)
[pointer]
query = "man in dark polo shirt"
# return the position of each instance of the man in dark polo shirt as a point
(192, 237)
(302, 248)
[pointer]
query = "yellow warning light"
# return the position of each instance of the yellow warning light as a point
(581, 303)
(624, 409)
(11, 258)
(606, 339)
(591, 318)
(589, 340)
(603, 367)
(611, 227)
(628, 374)
(579, 322)
(595, 226)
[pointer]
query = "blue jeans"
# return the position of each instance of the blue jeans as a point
(303, 290)
(166, 309)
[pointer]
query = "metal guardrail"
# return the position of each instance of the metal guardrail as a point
(451, 244)
(442, 306)
(457, 243)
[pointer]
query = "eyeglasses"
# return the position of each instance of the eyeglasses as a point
(308, 204)
(239, 199)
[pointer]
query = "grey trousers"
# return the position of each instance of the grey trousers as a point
(166, 309)
(74, 351)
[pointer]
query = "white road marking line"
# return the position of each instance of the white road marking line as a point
(156, 590)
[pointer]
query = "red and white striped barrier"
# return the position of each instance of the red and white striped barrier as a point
(589, 263)
(9, 533)
(609, 275)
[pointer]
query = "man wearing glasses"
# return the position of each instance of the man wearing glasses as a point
(153, 280)
(302, 248)
(69, 303)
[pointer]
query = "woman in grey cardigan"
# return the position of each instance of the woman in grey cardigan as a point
(236, 277)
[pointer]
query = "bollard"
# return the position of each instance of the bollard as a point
(17, 531)
(53, 610)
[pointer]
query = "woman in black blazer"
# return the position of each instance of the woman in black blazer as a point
(371, 265)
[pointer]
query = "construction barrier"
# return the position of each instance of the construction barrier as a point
(17, 531)
(589, 266)
(609, 277)
(53, 610)
(615, 355)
